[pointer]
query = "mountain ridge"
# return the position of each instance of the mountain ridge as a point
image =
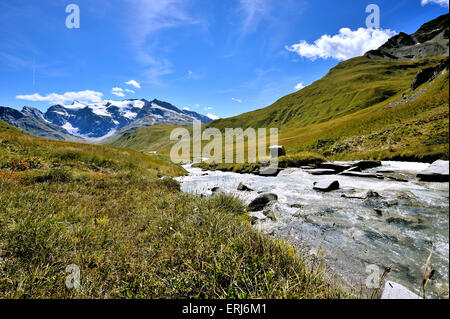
(33, 125)
(97, 121)
(431, 39)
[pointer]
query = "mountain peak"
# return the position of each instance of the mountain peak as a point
(431, 39)
(94, 121)
(31, 111)
(97, 120)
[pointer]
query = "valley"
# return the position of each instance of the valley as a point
(360, 188)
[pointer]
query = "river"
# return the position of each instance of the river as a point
(353, 235)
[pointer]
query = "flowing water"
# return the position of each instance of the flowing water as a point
(397, 229)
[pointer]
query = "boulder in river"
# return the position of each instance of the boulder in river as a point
(436, 172)
(217, 190)
(353, 169)
(270, 171)
(393, 290)
(336, 166)
(378, 211)
(326, 185)
(365, 195)
(244, 188)
(261, 201)
(360, 174)
(366, 164)
(322, 172)
(397, 179)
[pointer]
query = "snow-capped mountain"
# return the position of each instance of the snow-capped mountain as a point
(97, 121)
(81, 121)
(33, 122)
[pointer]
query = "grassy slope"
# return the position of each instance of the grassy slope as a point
(352, 85)
(133, 235)
(147, 139)
(344, 115)
(417, 130)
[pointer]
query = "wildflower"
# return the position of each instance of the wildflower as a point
(328, 283)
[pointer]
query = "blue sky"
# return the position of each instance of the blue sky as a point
(221, 57)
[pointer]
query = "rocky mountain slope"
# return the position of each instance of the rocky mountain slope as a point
(430, 40)
(97, 121)
(32, 121)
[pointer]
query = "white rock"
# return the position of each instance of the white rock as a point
(393, 290)
(436, 172)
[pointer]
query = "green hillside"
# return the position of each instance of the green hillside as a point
(413, 127)
(347, 114)
(147, 139)
(132, 234)
(351, 86)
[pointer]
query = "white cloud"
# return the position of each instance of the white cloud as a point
(147, 18)
(299, 86)
(442, 3)
(133, 83)
(54, 98)
(152, 16)
(208, 108)
(129, 91)
(186, 109)
(344, 45)
(254, 12)
(118, 92)
(196, 106)
(236, 100)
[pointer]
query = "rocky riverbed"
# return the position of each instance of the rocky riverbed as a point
(372, 216)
